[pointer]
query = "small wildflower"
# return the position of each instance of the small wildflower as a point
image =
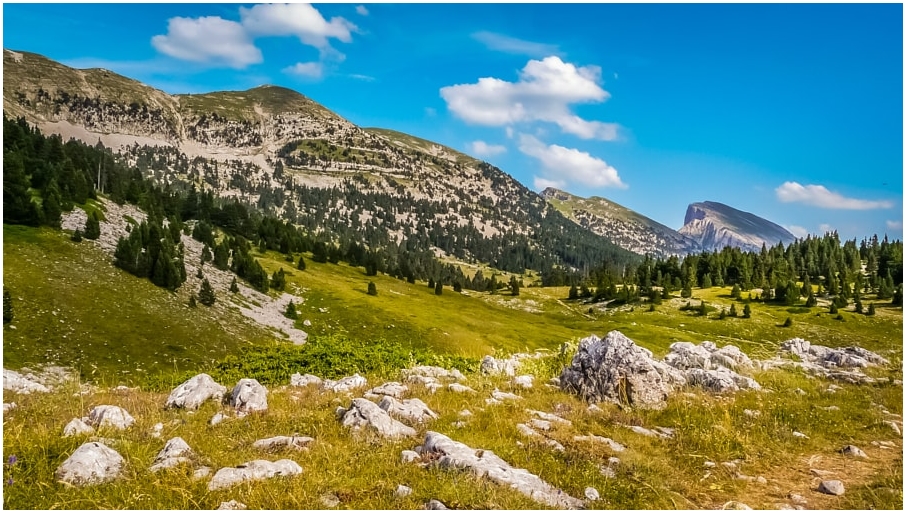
(9, 482)
(12, 460)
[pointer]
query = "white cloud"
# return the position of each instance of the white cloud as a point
(570, 164)
(544, 183)
(208, 39)
(430, 111)
(820, 196)
(361, 9)
(509, 132)
(363, 78)
(305, 69)
(825, 228)
(483, 149)
(544, 92)
(300, 20)
(507, 44)
(797, 231)
(894, 225)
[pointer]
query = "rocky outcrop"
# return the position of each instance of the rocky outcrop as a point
(248, 396)
(494, 366)
(92, 463)
(253, 471)
(364, 414)
(840, 364)
(615, 369)
(720, 380)
(391, 389)
(715, 226)
(194, 392)
(450, 454)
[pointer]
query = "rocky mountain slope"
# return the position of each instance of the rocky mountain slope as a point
(273, 149)
(627, 228)
(715, 225)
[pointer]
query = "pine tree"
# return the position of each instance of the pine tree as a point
(50, 206)
(76, 236)
(18, 207)
(372, 289)
(7, 306)
(514, 285)
(457, 286)
(192, 302)
(573, 292)
(706, 281)
(438, 288)
(736, 293)
(291, 312)
(746, 311)
(702, 308)
(871, 309)
(92, 226)
(301, 265)
(686, 293)
(788, 322)
(858, 305)
(811, 300)
(234, 287)
(833, 308)
(733, 312)
(206, 293)
(278, 280)
(723, 314)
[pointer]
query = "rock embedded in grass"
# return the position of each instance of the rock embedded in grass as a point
(720, 380)
(15, 382)
(460, 389)
(344, 385)
(232, 504)
(409, 456)
(298, 380)
(253, 471)
(298, 443)
(435, 504)
(107, 415)
(831, 487)
(402, 491)
(363, 413)
(249, 396)
(392, 389)
(175, 451)
(413, 410)
(524, 381)
(77, 427)
(686, 355)
(92, 463)
(852, 450)
(194, 392)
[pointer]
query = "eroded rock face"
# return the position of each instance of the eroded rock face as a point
(194, 392)
(107, 415)
(363, 413)
(248, 395)
(450, 454)
(843, 364)
(615, 369)
(253, 471)
(92, 463)
(175, 451)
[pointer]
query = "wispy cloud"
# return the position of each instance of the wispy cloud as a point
(825, 228)
(483, 149)
(363, 78)
(820, 196)
(544, 183)
(305, 69)
(894, 225)
(362, 10)
(570, 165)
(544, 92)
(507, 44)
(798, 231)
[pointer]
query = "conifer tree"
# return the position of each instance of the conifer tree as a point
(234, 287)
(736, 293)
(50, 207)
(291, 312)
(573, 292)
(278, 280)
(733, 312)
(438, 288)
(7, 306)
(871, 309)
(746, 311)
(833, 307)
(457, 286)
(76, 236)
(301, 265)
(372, 289)
(192, 302)
(514, 286)
(206, 293)
(92, 226)
(811, 300)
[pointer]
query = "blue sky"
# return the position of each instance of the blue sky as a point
(791, 112)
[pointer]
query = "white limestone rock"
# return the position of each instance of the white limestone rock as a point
(107, 415)
(92, 463)
(413, 410)
(392, 389)
(253, 471)
(344, 385)
(249, 396)
(15, 382)
(298, 443)
(194, 392)
(175, 451)
(77, 427)
(363, 413)
(298, 380)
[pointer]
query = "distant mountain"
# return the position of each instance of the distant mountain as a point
(279, 152)
(715, 225)
(627, 228)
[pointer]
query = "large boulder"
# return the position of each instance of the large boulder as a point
(413, 410)
(92, 463)
(615, 369)
(248, 395)
(253, 471)
(107, 415)
(175, 451)
(198, 389)
(363, 413)
(450, 454)
(720, 380)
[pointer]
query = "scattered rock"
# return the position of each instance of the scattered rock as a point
(298, 443)
(852, 450)
(615, 369)
(797, 434)
(592, 494)
(550, 417)
(306, 322)
(409, 456)
(819, 473)
(402, 491)
(893, 426)
(735, 505)
(330, 500)
(392, 389)
(217, 419)
(493, 366)
(364, 413)
(831, 487)
(20, 384)
(706, 356)
(720, 380)
(800, 391)
(524, 381)
(413, 410)
(201, 473)
(77, 427)
(543, 425)
(92, 463)
(157, 430)
(344, 385)
(110, 416)
(797, 499)
(429, 371)
(253, 471)
(460, 389)
(647, 432)
(594, 408)
(435, 504)
(504, 396)
(449, 454)
(614, 446)
(751, 413)
(298, 380)
(526, 431)
(232, 504)
(248, 396)
(465, 413)
(191, 394)
(175, 451)
(8, 406)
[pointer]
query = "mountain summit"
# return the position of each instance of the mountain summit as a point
(715, 225)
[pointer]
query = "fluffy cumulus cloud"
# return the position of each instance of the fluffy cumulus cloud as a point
(544, 183)
(483, 149)
(569, 164)
(209, 39)
(506, 44)
(820, 196)
(305, 69)
(544, 92)
(216, 41)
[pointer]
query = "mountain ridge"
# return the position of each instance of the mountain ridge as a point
(716, 225)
